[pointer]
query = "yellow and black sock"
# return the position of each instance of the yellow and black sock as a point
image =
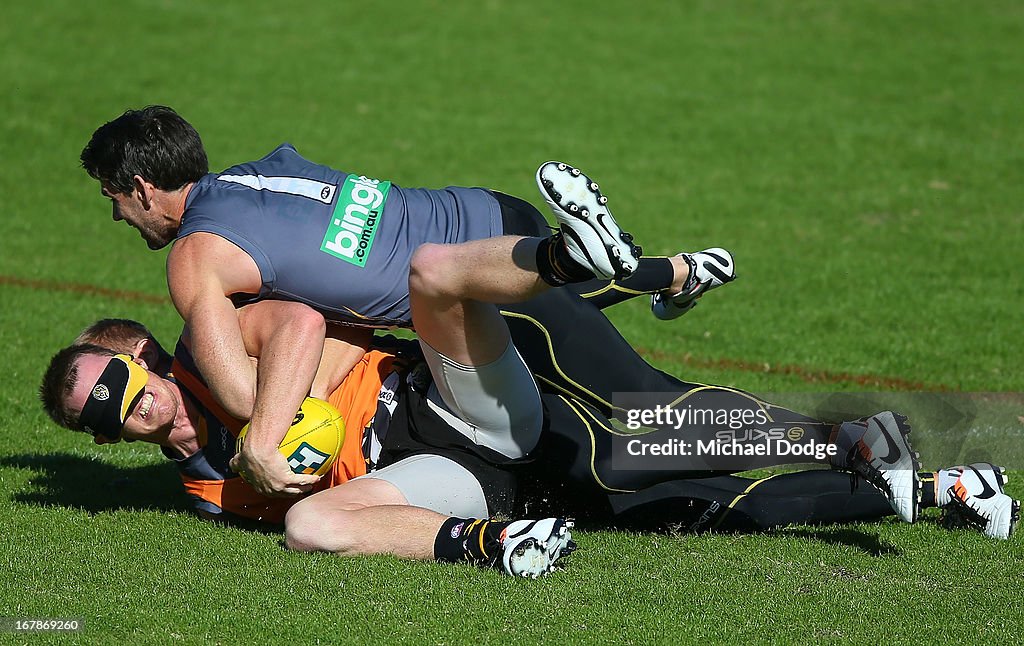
(469, 539)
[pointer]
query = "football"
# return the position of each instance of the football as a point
(314, 440)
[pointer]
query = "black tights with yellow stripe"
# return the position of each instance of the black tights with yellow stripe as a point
(573, 350)
(733, 503)
(581, 443)
(572, 347)
(575, 466)
(580, 360)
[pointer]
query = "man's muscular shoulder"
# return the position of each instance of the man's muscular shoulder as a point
(209, 261)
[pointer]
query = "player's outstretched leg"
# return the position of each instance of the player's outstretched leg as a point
(591, 235)
(972, 496)
(530, 548)
(709, 269)
(877, 449)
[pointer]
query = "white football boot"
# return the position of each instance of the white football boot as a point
(976, 499)
(709, 269)
(591, 235)
(877, 449)
(530, 548)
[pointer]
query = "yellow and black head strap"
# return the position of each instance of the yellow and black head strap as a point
(113, 396)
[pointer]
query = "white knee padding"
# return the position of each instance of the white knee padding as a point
(496, 405)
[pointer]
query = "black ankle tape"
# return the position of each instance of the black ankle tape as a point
(556, 267)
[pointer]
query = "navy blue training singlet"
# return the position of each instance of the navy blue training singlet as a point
(338, 242)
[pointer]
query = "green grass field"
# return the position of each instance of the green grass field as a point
(864, 161)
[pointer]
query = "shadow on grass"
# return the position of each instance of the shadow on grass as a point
(845, 536)
(831, 534)
(658, 518)
(77, 482)
(94, 486)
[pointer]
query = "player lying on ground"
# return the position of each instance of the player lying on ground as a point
(456, 481)
(199, 437)
(359, 251)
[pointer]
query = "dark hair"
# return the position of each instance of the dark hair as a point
(119, 335)
(154, 143)
(60, 379)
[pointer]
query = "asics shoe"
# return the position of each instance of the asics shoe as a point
(877, 449)
(976, 499)
(709, 269)
(530, 548)
(591, 235)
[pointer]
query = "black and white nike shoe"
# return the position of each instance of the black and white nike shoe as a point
(709, 269)
(877, 449)
(591, 235)
(530, 548)
(976, 499)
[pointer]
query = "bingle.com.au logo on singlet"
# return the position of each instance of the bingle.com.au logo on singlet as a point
(354, 223)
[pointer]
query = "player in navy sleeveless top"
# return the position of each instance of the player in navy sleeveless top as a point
(358, 251)
(279, 211)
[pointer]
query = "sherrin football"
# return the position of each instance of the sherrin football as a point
(313, 442)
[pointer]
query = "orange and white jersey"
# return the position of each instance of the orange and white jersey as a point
(211, 484)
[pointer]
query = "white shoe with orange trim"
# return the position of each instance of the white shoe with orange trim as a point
(976, 499)
(877, 449)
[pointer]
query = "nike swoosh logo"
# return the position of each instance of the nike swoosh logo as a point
(987, 490)
(894, 451)
(717, 272)
(717, 257)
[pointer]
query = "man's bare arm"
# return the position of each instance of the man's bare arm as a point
(202, 270)
(344, 345)
(287, 338)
